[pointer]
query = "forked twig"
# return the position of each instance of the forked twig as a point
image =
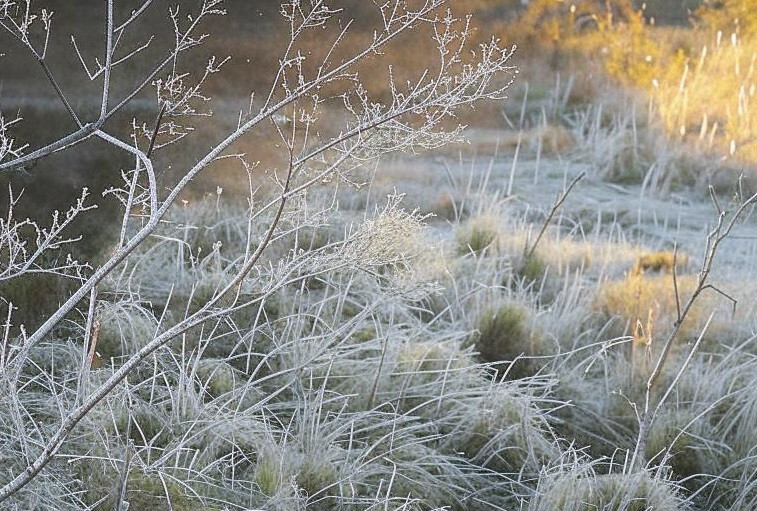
(720, 232)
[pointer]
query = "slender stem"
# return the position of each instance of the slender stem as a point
(675, 283)
(86, 345)
(108, 59)
(58, 91)
(155, 129)
(133, 16)
(558, 202)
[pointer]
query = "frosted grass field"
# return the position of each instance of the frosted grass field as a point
(407, 323)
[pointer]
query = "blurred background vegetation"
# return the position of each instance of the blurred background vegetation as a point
(692, 61)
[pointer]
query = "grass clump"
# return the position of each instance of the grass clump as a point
(571, 491)
(532, 268)
(146, 490)
(55, 359)
(502, 430)
(659, 262)
(649, 301)
(122, 329)
(674, 441)
(217, 376)
(478, 234)
(318, 478)
(269, 473)
(502, 332)
(505, 336)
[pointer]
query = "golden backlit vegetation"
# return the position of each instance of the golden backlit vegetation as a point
(695, 79)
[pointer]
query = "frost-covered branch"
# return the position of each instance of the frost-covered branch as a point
(419, 115)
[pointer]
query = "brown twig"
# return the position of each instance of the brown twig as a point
(675, 283)
(59, 92)
(93, 344)
(155, 128)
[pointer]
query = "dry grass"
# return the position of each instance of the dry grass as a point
(705, 97)
(650, 301)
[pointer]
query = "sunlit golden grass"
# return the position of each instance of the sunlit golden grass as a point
(695, 84)
(699, 83)
(707, 98)
(659, 262)
(645, 307)
(635, 298)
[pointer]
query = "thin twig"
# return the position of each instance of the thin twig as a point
(719, 233)
(108, 58)
(134, 15)
(155, 128)
(734, 301)
(124, 482)
(675, 283)
(6, 336)
(558, 202)
(59, 92)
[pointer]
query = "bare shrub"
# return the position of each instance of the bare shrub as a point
(211, 282)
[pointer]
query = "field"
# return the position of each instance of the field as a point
(506, 289)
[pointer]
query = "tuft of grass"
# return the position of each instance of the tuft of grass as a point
(502, 332)
(122, 329)
(504, 335)
(479, 234)
(268, 474)
(677, 440)
(532, 268)
(649, 301)
(571, 491)
(318, 477)
(503, 431)
(659, 262)
(146, 491)
(217, 376)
